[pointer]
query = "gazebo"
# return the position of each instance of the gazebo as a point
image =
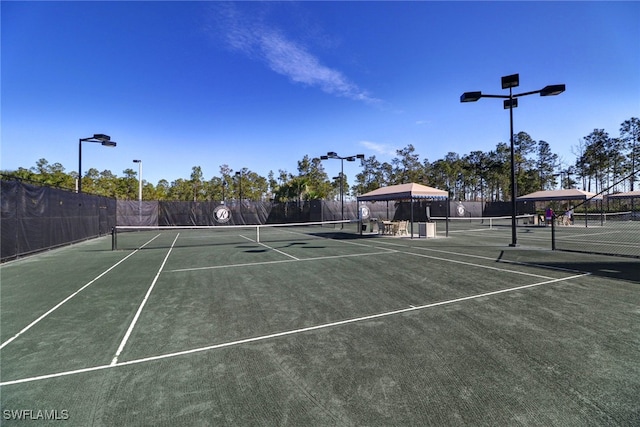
(411, 191)
(627, 195)
(568, 195)
(632, 195)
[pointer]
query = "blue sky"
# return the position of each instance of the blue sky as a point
(261, 84)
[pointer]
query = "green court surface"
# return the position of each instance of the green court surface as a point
(330, 328)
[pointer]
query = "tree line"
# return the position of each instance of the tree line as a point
(601, 161)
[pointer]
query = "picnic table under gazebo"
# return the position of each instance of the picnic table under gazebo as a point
(410, 191)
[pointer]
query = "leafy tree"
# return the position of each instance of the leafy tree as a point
(630, 136)
(52, 174)
(106, 184)
(161, 191)
(600, 161)
(595, 159)
(128, 185)
(545, 166)
(196, 182)
(272, 183)
(315, 178)
(371, 177)
(407, 167)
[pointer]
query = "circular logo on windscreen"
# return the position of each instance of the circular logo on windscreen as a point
(222, 214)
(364, 212)
(460, 210)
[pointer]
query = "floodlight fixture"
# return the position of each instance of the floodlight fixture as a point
(470, 96)
(334, 155)
(510, 81)
(510, 102)
(103, 139)
(552, 90)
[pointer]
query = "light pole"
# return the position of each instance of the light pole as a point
(98, 137)
(224, 185)
(139, 162)
(239, 175)
(334, 155)
(511, 102)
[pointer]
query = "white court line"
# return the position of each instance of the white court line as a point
(286, 333)
(269, 247)
(465, 231)
(144, 301)
(503, 270)
(281, 261)
(32, 324)
(505, 261)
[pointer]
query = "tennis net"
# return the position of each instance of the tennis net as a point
(140, 237)
(602, 218)
(482, 223)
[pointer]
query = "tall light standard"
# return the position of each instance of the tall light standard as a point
(98, 137)
(334, 155)
(239, 175)
(224, 185)
(511, 102)
(139, 162)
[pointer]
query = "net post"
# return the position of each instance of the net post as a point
(553, 235)
(114, 239)
(258, 233)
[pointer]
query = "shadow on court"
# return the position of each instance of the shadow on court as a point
(616, 268)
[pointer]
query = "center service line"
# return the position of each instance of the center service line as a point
(286, 333)
(269, 247)
(144, 301)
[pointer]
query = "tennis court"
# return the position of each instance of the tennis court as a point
(320, 326)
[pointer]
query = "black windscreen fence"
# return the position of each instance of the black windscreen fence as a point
(36, 218)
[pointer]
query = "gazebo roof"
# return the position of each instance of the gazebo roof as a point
(568, 194)
(404, 192)
(627, 195)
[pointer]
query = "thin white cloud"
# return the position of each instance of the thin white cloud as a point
(382, 149)
(288, 58)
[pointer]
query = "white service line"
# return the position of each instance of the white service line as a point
(281, 261)
(286, 333)
(144, 301)
(32, 324)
